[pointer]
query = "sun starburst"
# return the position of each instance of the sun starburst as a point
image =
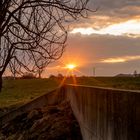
(70, 66)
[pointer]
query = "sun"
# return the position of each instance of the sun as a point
(70, 66)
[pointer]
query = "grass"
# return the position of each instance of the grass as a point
(20, 91)
(132, 83)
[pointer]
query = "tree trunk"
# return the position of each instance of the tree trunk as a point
(0, 82)
(39, 75)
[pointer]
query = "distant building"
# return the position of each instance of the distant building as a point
(124, 75)
(135, 74)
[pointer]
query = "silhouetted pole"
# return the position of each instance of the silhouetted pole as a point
(94, 71)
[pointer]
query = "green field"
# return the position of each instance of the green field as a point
(20, 91)
(132, 83)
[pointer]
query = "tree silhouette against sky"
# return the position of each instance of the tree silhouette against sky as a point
(33, 33)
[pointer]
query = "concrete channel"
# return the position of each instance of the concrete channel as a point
(102, 113)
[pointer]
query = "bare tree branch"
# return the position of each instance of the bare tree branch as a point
(33, 32)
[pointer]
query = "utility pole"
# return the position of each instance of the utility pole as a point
(94, 71)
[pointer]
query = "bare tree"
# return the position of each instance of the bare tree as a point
(33, 32)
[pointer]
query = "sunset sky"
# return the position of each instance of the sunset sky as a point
(108, 40)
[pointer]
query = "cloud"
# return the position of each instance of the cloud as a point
(109, 13)
(120, 59)
(113, 60)
(129, 28)
(108, 6)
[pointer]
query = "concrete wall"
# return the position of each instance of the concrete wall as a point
(51, 98)
(106, 114)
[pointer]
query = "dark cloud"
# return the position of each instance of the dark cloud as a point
(109, 12)
(103, 46)
(123, 8)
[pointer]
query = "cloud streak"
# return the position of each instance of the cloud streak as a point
(120, 59)
(130, 28)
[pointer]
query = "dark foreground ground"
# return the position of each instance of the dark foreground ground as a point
(53, 122)
(47, 123)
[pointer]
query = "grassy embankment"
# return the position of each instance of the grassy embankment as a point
(132, 83)
(18, 92)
